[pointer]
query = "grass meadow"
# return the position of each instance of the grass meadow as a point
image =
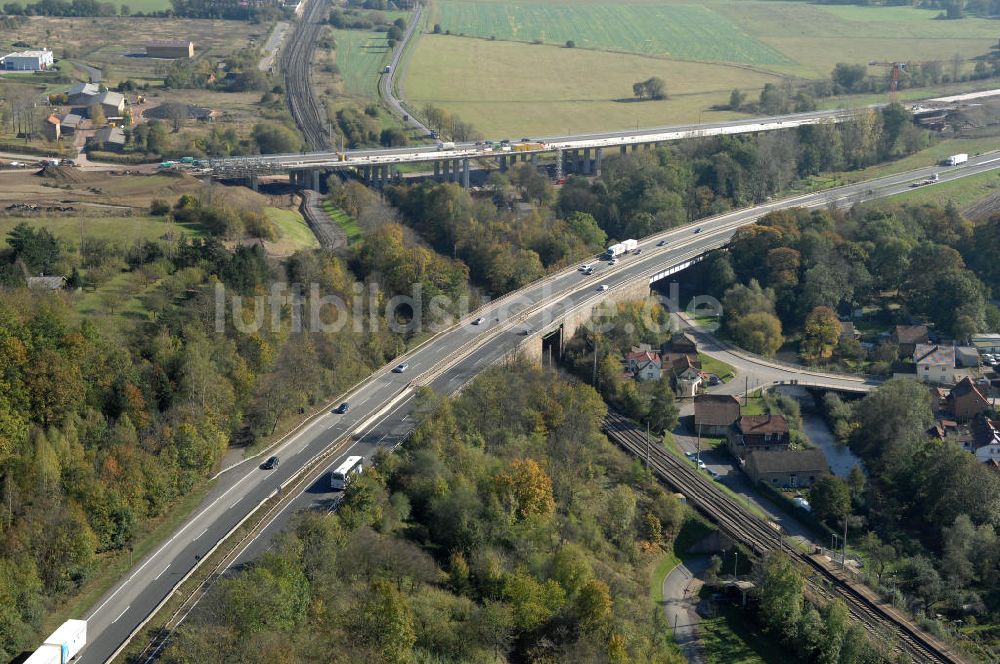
(360, 56)
(492, 72)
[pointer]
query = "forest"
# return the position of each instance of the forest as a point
(476, 542)
(926, 513)
(792, 272)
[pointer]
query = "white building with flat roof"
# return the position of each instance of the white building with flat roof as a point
(27, 60)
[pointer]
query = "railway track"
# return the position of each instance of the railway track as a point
(761, 536)
(296, 63)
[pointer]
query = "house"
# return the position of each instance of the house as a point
(27, 60)
(908, 336)
(935, 363)
(986, 343)
(786, 469)
(714, 414)
(684, 342)
(687, 376)
(904, 370)
(69, 123)
(965, 401)
(966, 356)
(46, 283)
(986, 439)
(170, 48)
(83, 94)
(112, 103)
(51, 129)
(110, 139)
(848, 331)
(644, 365)
(758, 432)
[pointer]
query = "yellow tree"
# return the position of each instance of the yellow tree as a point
(525, 489)
(821, 332)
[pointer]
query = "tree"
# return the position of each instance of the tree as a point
(619, 513)
(96, 114)
(923, 581)
(663, 411)
(880, 555)
(736, 99)
(570, 43)
(759, 333)
(780, 591)
(525, 490)
(830, 499)
(712, 572)
(585, 227)
(820, 333)
(275, 139)
(593, 605)
(386, 623)
(656, 88)
(847, 77)
(957, 550)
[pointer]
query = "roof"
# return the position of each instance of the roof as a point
(911, 334)
(110, 135)
(904, 368)
(966, 387)
(172, 43)
(787, 461)
(985, 337)
(985, 432)
(89, 89)
(28, 54)
(847, 328)
(684, 338)
(644, 355)
(46, 283)
(716, 409)
(758, 424)
(71, 119)
(934, 355)
(111, 98)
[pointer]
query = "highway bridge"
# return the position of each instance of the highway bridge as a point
(578, 153)
(382, 406)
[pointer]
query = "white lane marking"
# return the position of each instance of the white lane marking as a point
(200, 534)
(236, 503)
(167, 543)
(120, 615)
(161, 573)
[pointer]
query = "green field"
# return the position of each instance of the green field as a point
(962, 192)
(345, 221)
(484, 82)
(361, 56)
(148, 5)
(499, 80)
(116, 229)
(687, 31)
(292, 228)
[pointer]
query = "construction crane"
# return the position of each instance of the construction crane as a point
(895, 73)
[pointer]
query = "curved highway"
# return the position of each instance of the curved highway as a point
(385, 83)
(381, 405)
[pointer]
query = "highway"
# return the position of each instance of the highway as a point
(446, 362)
(386, 82)
(608, 139)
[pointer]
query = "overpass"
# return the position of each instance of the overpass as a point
(383, 405)
(577, 153)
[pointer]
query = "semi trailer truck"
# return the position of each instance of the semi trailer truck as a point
(956, 159)
(621, 248)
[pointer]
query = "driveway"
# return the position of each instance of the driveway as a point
(680, 598)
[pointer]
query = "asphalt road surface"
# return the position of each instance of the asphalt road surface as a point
(240, 489)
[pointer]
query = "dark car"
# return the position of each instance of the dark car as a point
(400, 368)
(525, 139)
(697, 230)
(661, 243)
(271, 463)
(342, 408)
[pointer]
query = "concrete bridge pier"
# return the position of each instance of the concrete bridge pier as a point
(444, 170)
(597, 160)
(560, 169)
(635, 146)
(437, 169)
(315, 180)
(624, 150)
(456, 169)
(465, 172)
(534, 159)
(253, 181)
(586, 161)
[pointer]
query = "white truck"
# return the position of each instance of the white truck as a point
(621, 248)
(446, 145)
(956, 159)
(63, 645)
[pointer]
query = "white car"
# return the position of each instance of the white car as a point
(400, 368)
(478, 321)
(584, 267)
(701, 465)
(602, 287)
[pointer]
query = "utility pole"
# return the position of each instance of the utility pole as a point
(843, 557)
(746, 391)
(595, 363)
(736, 557)
(698, 454)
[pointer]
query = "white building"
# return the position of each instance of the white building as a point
(935, 364)
(28, 60)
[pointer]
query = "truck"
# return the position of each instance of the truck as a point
(621, 248)
(446, 145)
(956, 159)
(62, 645)
(388, 68)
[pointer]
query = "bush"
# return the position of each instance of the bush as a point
(159, 207)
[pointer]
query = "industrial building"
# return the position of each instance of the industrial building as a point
(170, 49)
(27, 60)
